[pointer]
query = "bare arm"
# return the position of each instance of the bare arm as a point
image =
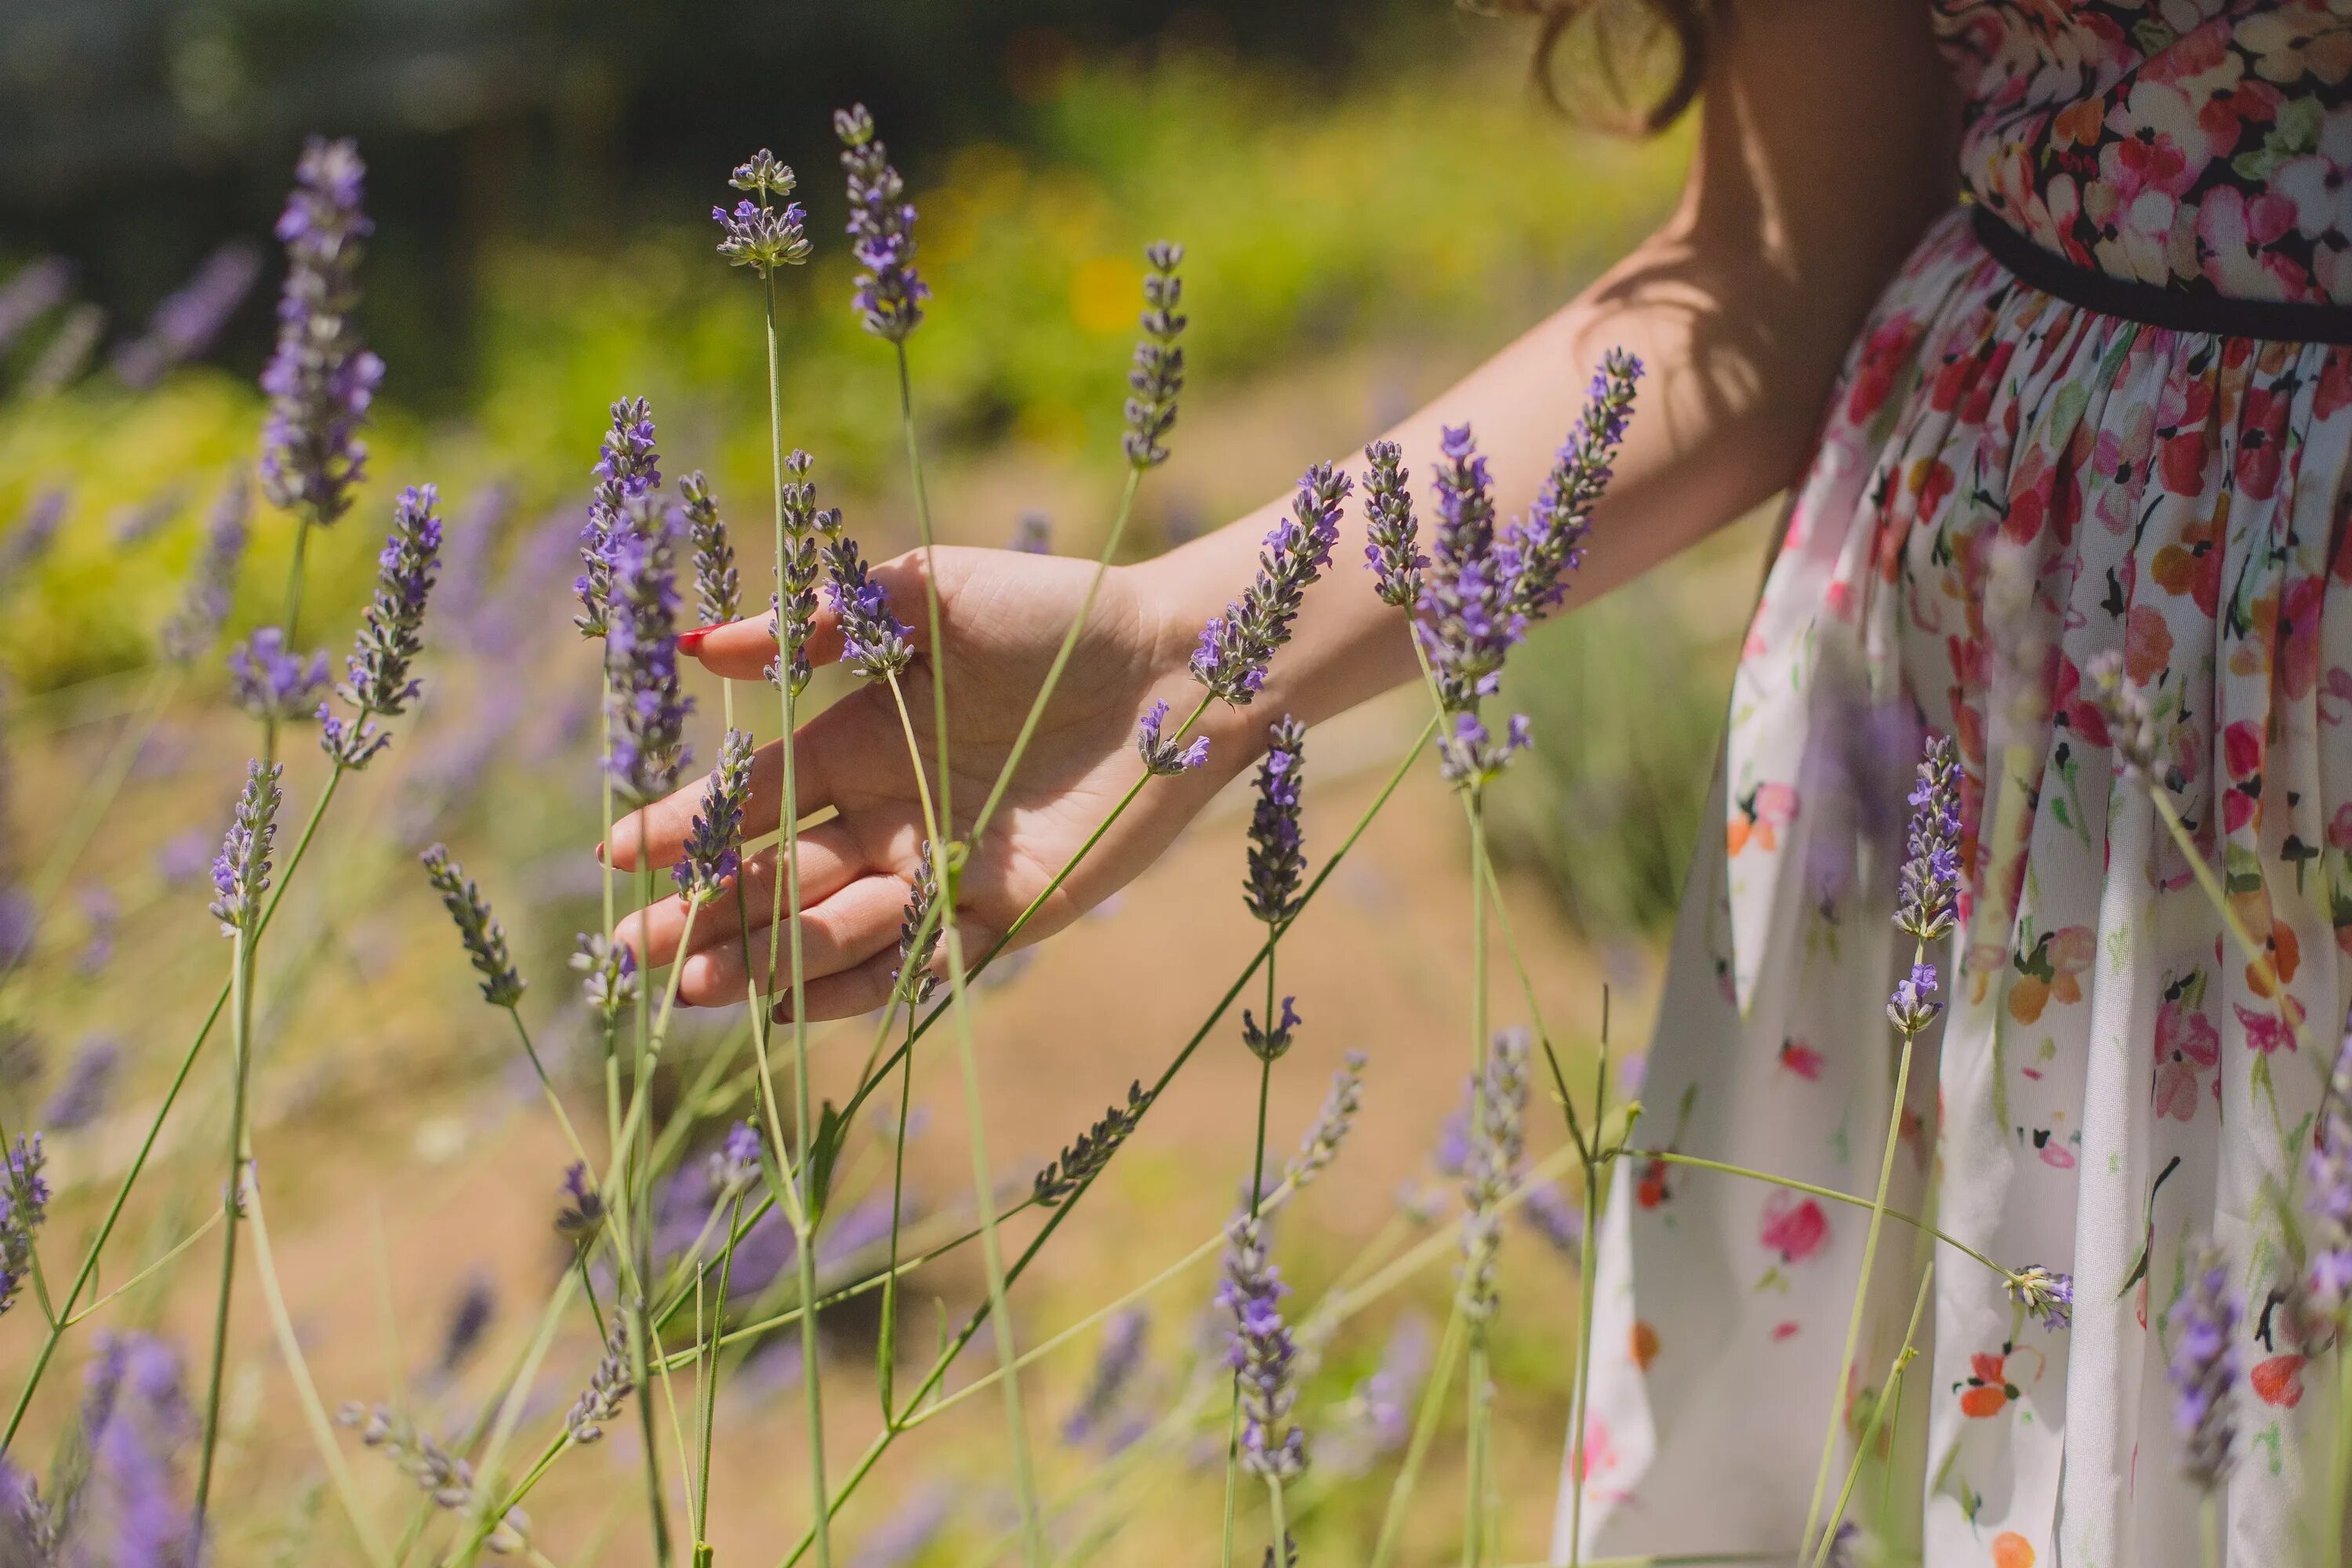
(1825, 149)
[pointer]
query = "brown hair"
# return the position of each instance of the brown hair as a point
(1650, 56)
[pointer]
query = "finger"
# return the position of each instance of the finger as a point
(837, 935)
(829, 861)
(849, 994)
(742, 650)
(661, 828)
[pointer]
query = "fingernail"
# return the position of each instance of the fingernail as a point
(690, 643)
(600, 852)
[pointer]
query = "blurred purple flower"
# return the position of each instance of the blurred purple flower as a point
(320, 379)
(81, 1096)
(24, 1205)
(648, 732)
(32, 292)
(1375, 1419)
(1033, 534)
(212, 579)
(1261, 1353)
(189, 318)
(104, 915)
(1116, 1362)
(905, 1534)
(2205, 1367)
(889, 300)
(272, 684)
(135, 1419)
(23, 546)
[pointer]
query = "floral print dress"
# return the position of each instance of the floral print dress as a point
(2007, 487)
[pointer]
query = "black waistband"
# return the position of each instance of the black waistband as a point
(2157, 307)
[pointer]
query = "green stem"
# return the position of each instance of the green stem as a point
(885, 1356)
(1424, 1429)
(1670, 1157)
(241, 1052)
(641, 1190)
(709, 1387)
(1893, 1391)
(1281, 1527)
(1474, 1415)
(931, 606)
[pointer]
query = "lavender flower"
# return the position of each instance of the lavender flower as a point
(81, 1097)
(2044, 1293)
(32, 292)
(2327, 1175)
(718, 590)
(609, 971)
(874, 642)
(104, 915)
(1166, 757)
(241, 871)
(270, 683)
(2205, 1367)
(485, 939)
(23, 1204)
(582, 1215)
(914, 981)
(1331, 1124)
(2137, 727)
(1911, 1009)
(627, 467)
(68, 352)
(1277, 853)
(212, 580)
(1272, 1042)
(648, 731)
(1084, 1158)
(137, 524)
(1236, 647)
(1116, 1364)
(608, 1384)
(1378, 1415)
(1159, 373)
(1549, 1212)
(1464, 620)
(391, 633)
(902, 1538)
(469, 1320)
(714, 844)
(319, 380)
(1033, 534)
(734, 1166)
(1551, 542)
(1496, 1142)
(794, 622)
(889, 300)
(1393, 550)
(22, 547)
(756, 235)
(191, 316)
(135, 1418)
(1929, 897)
(440, 1475)
(1469, 753)
(1261, 1355)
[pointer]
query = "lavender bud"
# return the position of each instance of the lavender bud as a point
(648, 730)
(212, 580)
(1277, 851)
(1549, 543)
(319, 380)
(764, 175)
(1465, 619)
(714, 844)
(2045, 1294)
(1261, 1355)
(469, 1320)
(718, 591)
(608, 1384)
(1497, 1140)
(1166, 757)
(1331, 1124)
(391, 633)
(889, 300)
(627, 467)
(1033, 534)
(2205, 1368)
(582, 1215)
(23, 1204)
(761, 237)
(485, 939)
(1927, 901)
(1469, 756)
(1236, 647)
(874, 642)
(2136, 729)
(272, 684)
(1270, 1044)
(734, 1166)
(1911, 1008)
(1084, 1159)
(1159, 373)
(1116, 1364)
(1393, 550)
(241, 871)
(609, 972)
(914, 981)
(448, 1482)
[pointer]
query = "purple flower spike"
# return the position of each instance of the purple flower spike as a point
(1469, 753)
(734, 1166)
(718, 589)
(1393, 552)
(1913, 1007)
(1550, 544)
(485, 939)
(1927, 901)
(1116, 1364)
(874, 642)
(2205, 1367)
(794, 622)
(581, 1215)
(319, 380)
(272, 684)
(1331, 1126)
(391, 635)
(80, 1098)
(889, 300)
(190, 318)
(761, 237)
(2328, 1200)
(1269, 1045)
(914, 981)
(1261, 1355)
(136, 1420)
(648, 745)
(1498, 1141)
(241, 871)
(627, 467)
(1166, 756)
(212, 581)
(1464, 620)
(1236, 647)
(32, 292)
(22, 547)
(23, 1204)
(1159, 373)
(1277, 850)
(714, 844)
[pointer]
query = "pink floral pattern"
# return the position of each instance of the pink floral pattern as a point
(2008, 487)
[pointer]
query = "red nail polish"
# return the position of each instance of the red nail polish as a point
(690, 643)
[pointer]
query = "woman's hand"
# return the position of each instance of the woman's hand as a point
(1003, 616)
